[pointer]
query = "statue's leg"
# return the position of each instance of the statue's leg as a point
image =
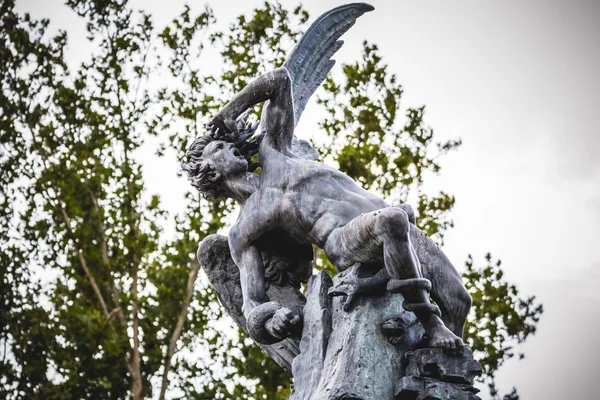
(448, 290)
(384, 234)
(452, 297)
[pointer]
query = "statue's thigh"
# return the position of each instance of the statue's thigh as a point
(354, 243)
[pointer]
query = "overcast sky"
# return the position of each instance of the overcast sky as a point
(518, 82)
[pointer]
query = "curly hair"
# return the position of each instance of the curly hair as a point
(202, 175)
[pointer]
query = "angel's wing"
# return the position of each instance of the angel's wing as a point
(310, 61)
(224, 275)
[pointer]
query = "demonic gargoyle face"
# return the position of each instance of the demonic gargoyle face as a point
(225, 158)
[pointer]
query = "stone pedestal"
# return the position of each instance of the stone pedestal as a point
(434, 375)
(372, 351)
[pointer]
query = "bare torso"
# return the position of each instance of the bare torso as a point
(307, 199)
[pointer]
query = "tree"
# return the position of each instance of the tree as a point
(100, 327)
(125, 300)
(499, 319)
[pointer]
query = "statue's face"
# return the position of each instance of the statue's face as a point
(225, 158)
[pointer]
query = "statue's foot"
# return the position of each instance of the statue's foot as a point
(442, 338)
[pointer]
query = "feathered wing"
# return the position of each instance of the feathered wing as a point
(224, 275)
(310, 61)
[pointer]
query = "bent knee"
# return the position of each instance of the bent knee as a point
(392, 221)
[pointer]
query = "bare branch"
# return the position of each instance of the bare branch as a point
(136, 383)
(178, 328)
(85, 268)
(116, 294)
(103, 244)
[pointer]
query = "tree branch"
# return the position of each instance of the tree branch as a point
(133, 371)
(133, 364)
(103, 244)
(178, 328)
(135, 357)
(106, 261)
(85, 268)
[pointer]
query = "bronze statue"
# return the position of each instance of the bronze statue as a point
(296, 202)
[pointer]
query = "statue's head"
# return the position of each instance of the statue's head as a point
(213, 158)
(209, 162)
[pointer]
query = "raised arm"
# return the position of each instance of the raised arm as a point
(278, 115)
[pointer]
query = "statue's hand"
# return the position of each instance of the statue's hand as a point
(223, 125)
(351, 286)
(283, 323)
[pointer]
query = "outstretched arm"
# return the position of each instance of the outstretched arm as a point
(278, 116)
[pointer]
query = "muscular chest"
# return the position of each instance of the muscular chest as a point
(274, 208)
(273, 205)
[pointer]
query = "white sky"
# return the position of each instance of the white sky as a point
(518, 82)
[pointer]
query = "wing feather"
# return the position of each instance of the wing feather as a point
(310, 61)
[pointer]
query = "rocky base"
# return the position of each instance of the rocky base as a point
(418, 388)
(432, 374)
(372, 351)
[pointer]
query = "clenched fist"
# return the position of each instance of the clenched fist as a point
(283, 322)
(224, 125)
